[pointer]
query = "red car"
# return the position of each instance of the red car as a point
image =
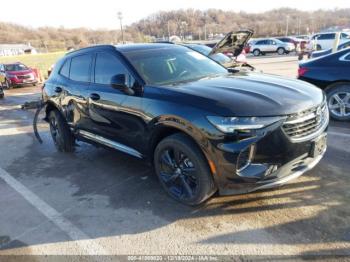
(18, 74)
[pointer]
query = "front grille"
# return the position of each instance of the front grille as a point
(307, 124)
(24, 76)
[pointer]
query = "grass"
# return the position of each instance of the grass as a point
(41, 61)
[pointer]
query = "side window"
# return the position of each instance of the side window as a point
(65, 68)
(327, 37)
(344, 36)
(80, 68)
(259, 43)
(106, 67)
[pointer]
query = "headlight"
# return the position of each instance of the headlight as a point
(12, 76)
(231, 124)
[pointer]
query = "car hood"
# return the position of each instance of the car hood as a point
(233, 42)
(251, 94)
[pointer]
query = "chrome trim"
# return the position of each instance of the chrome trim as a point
(311, 136)
(110, 143)
(342, 58)
(252, 149)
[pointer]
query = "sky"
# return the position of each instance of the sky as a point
(103, 13)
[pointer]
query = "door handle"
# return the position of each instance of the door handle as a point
(58, 89)
(94, 96)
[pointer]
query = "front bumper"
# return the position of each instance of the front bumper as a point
(23, 82)
(277, 160)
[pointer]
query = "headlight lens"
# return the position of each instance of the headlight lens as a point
(12, 76)
(231, 124)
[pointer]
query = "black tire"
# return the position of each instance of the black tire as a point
(2, 96)
(341, 92)
(193, 167)
(60, 132)
(281, 51)
(256, 52)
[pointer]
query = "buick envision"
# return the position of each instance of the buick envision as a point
(203, 128)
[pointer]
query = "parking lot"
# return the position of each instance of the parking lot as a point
(97, 201)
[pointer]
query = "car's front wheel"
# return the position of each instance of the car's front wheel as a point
(182, 170)
(338, 97)
(60, 132)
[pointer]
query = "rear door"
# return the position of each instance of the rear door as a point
(74, 90)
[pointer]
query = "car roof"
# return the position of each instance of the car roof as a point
(125, 48)
(144, 46)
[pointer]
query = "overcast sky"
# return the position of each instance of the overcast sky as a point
(103, 13)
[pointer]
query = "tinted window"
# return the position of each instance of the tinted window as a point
(15, 67)
(65, 68)
(80, 68)
(173, 65)
(106, 67)
(326, 37)
(261, 42)
(343, 35)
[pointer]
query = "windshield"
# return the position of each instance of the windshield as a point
(15, 67)
(205, 50)
(167, 66)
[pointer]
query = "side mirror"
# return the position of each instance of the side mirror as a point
(120, 82)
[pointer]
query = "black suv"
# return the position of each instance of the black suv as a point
(203, 127)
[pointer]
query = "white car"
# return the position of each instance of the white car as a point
(326, 40)
(271, 45)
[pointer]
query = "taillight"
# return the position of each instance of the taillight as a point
(302, 71)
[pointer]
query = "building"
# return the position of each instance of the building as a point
(16, 49)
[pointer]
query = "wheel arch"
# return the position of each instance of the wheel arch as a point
(335, 84)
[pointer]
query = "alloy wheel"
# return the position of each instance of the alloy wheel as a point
(339, 104)
(55, 133)
(178, 173)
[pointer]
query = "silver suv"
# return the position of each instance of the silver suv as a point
(271, 45)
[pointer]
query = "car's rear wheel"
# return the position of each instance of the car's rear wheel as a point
(256, 52)
(2, 95)
(338, 97)
(281, 51)
(182, 170)
(60, 132)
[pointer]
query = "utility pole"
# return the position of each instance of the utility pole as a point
(120, 17)
(205, 26)
(287, 25)
(168, 31)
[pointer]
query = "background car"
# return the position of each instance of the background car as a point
(271, 45)
(18, 74)
(326, 40)
(332, 74)
(329, 51)
(291, 40)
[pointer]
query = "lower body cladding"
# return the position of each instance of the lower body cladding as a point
(266, 161)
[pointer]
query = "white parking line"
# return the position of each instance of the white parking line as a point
(338, 134)
(88, 248)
